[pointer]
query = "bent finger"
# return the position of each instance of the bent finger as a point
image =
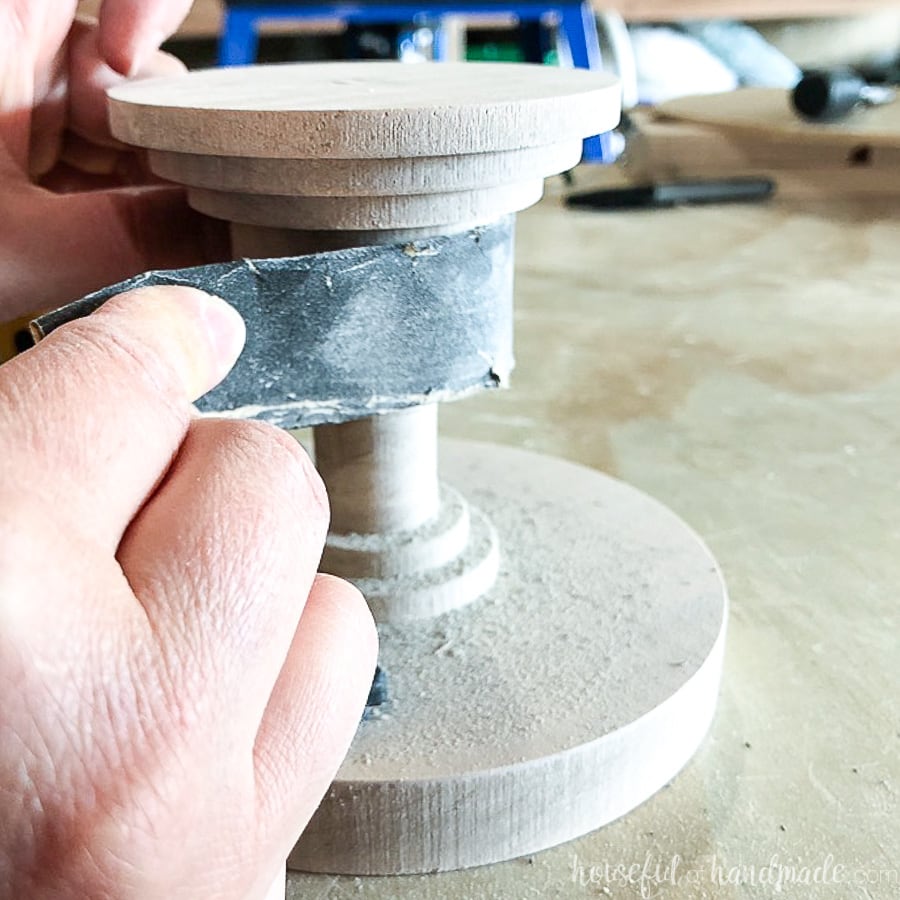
(222, 558)
(90, 76)
(314, 710)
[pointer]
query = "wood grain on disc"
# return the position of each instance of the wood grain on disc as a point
(353, 110)
(365, 177)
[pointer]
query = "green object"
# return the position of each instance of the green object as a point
(505, 52)
(494, 51)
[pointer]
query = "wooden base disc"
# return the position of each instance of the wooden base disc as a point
(570, 694)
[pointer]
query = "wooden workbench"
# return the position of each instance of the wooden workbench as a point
(741, 364)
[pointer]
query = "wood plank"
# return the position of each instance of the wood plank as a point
(860, 157)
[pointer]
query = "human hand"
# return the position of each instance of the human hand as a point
(77, 210)
(177, 687)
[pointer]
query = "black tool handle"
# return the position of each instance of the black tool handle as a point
(676, 193)
(826, 95)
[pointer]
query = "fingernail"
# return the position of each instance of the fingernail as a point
(225, 330)
(209, 331)
(150, 43)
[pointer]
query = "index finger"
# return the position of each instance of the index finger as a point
(91, 417)
(130, 30)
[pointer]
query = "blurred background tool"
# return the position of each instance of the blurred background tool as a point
(827, 95)
(677, 193)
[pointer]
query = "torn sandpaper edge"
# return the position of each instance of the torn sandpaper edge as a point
(351, 333)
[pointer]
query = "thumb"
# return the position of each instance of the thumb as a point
(55, 248)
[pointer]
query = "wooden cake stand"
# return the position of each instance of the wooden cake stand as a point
(552, 637)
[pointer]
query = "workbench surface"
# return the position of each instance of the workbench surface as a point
(742, 365)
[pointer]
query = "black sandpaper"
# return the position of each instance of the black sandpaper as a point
(349, 333)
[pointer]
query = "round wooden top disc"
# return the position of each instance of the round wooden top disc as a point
(767, 111)
(364, 110)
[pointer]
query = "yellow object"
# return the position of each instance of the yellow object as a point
(13, 336)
